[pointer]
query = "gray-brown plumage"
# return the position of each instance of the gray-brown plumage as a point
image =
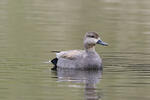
(81, 59)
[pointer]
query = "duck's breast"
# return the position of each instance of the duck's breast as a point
(93, 62)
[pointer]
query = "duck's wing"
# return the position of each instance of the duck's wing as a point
(72, 54)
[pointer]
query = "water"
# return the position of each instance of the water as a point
(31, 29)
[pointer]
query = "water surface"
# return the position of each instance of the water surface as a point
(31, 29)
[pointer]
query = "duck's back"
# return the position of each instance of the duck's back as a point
(71, 54)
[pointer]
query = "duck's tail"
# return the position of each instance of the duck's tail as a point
(54, 61)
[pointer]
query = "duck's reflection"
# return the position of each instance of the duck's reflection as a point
(89, 78)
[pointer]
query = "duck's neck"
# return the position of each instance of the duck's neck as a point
(89, 48)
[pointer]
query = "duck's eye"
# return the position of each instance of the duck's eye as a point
(92, 36)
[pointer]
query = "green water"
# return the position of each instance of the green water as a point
(31, 29)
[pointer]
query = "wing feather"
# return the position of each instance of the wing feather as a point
(72, 54)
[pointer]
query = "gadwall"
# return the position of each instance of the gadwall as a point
(81, 59)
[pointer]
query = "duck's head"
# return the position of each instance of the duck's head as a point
(91, 39)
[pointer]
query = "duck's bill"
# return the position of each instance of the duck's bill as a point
(102, 43)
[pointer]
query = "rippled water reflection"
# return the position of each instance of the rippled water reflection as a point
(88, 79)
(31, 29)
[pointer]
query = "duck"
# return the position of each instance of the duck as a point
(81, 59)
